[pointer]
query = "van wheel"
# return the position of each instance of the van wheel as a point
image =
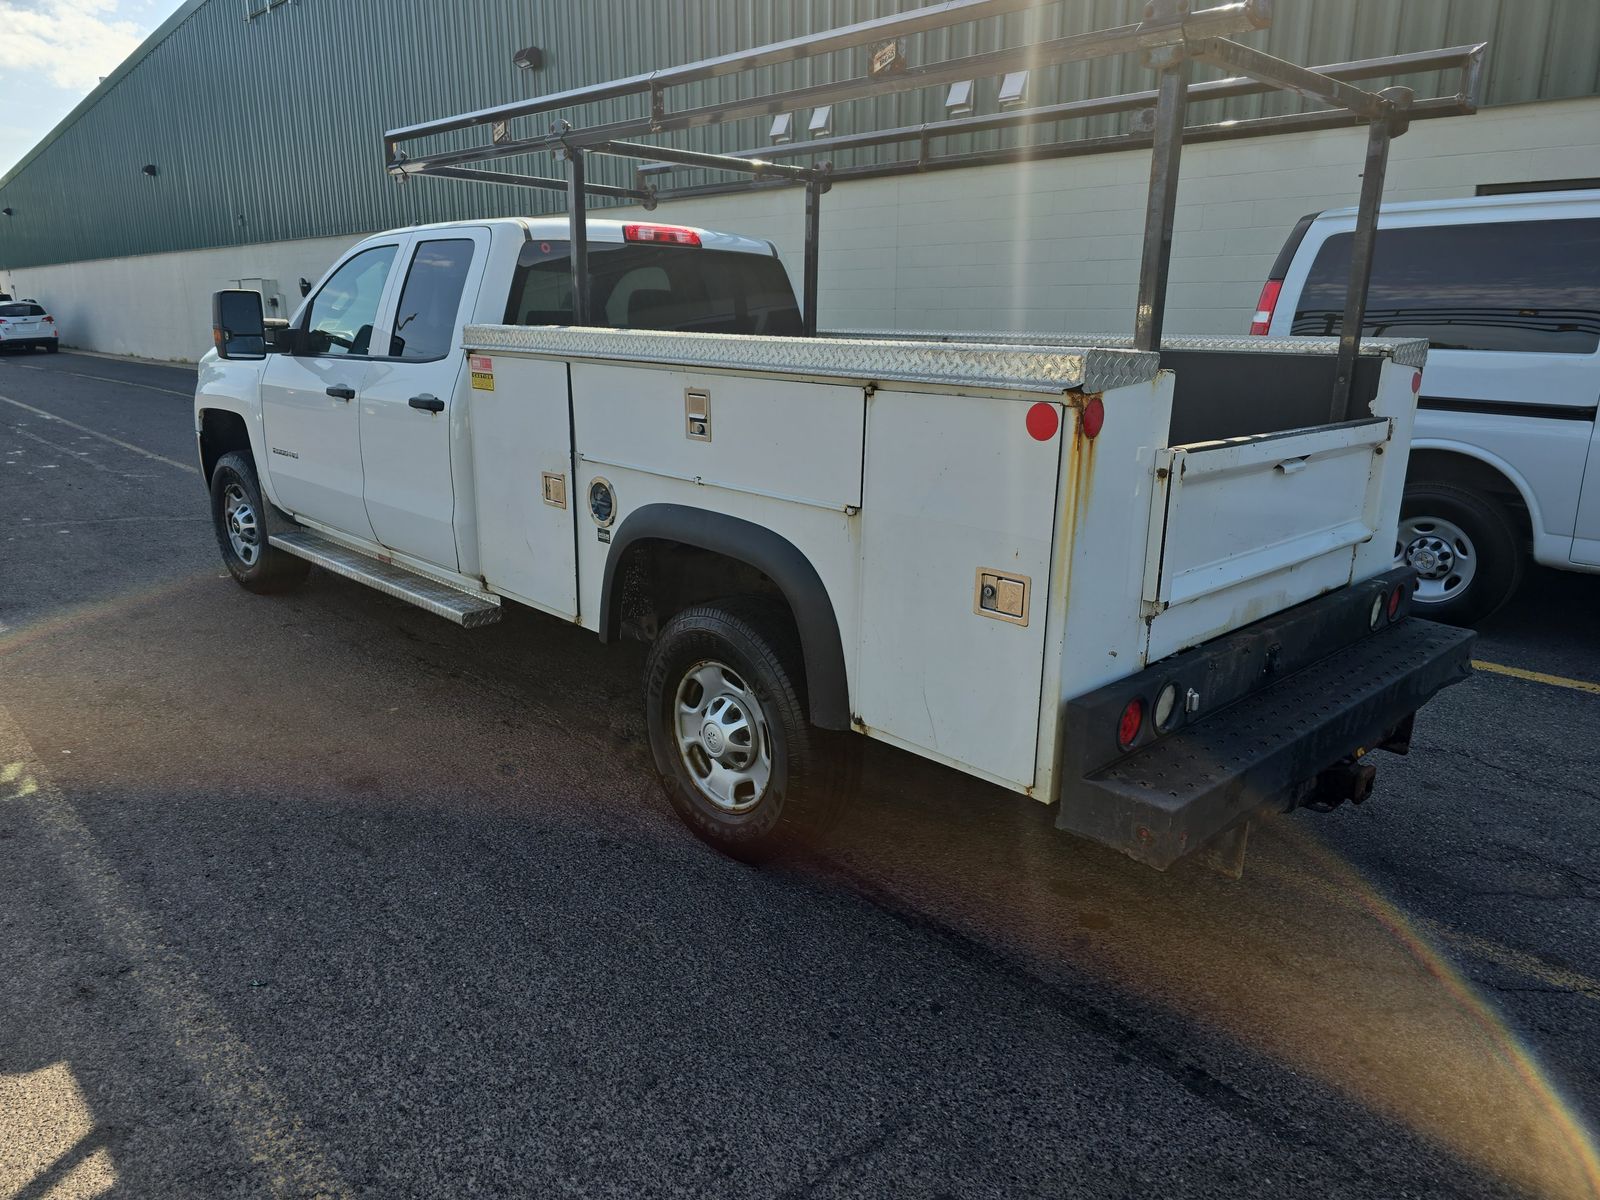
(1463, 548)
(239, 516)
(725, 707)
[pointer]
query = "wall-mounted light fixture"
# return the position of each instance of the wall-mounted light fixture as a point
(782, 128)
(151, 170)
(8, 211)
(1014, 90)
(305, 286)
(821, 121)
(529, 58)
(958, 102)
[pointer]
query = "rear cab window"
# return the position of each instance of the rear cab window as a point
(674, 288)
(1509, 286)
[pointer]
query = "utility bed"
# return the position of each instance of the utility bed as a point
(908, 471)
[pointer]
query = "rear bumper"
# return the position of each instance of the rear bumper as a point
(1177, 792)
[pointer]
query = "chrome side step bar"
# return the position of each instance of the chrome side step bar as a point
(442, 600)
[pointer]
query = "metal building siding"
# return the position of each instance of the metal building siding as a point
(269, 129)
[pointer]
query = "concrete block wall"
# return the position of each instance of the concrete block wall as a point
(1040, 246)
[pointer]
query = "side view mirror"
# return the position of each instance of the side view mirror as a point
(237, 328)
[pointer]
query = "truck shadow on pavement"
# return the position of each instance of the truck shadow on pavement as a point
(352, 901)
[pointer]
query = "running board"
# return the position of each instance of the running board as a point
(442, 600)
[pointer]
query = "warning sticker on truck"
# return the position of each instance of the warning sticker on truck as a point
(482, 368)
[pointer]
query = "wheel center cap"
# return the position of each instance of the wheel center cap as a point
(712, 736)
(1429, 559)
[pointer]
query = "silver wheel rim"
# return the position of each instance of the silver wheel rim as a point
(723, 736)
(239, 518)
(1440, 552)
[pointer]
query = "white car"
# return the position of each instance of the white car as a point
(1505, 457)
(24, 324)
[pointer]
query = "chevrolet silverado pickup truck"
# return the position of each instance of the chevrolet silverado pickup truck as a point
(1153, 589)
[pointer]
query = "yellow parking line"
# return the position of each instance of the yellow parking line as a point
(1560, 681)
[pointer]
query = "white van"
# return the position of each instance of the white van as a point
(1505, 458)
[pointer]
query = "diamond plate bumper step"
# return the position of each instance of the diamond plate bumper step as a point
(1174, 795)
(464, 608)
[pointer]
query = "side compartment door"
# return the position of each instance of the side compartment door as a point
(521, 431)
(957, 519)
(309, 407)
(411, 412)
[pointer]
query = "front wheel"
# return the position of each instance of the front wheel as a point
(1463, 548)
(239, 517)
(726, 714)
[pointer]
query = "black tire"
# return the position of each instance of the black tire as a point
(1490, 541)
(272, 570)
(812, 772)
(52, 347)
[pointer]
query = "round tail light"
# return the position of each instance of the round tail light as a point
(1130, 723)
(1380, 604)
(1394, 602)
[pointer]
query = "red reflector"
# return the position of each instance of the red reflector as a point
(1265, 306)
(1043, 421)
(1416, 382)
(661, 235)
(1394, 602)
(1094, 417)
(1132, 721)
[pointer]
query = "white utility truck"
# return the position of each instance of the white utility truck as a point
(1153, 587)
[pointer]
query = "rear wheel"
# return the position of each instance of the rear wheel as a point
(1464, 549)
(726, 715)
(239, 517)
(52, 347)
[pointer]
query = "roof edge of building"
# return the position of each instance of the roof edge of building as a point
(101, 89)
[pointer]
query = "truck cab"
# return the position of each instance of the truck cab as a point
(361, 425)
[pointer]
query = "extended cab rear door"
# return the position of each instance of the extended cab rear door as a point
(410, 403)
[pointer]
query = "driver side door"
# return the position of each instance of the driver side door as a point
(310, 401)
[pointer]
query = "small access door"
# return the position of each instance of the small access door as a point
(409, 402)
(1246, 527)
(521, 427)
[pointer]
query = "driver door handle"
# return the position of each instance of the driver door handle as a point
(341, 391)
(426, 403)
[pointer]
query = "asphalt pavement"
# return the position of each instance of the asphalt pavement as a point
(318, 895)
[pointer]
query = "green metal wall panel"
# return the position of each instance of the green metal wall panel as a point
(268, 129)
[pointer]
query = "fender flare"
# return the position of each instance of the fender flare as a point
(775, 557)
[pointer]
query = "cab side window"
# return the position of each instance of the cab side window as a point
(425, 322)
(341, 315)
